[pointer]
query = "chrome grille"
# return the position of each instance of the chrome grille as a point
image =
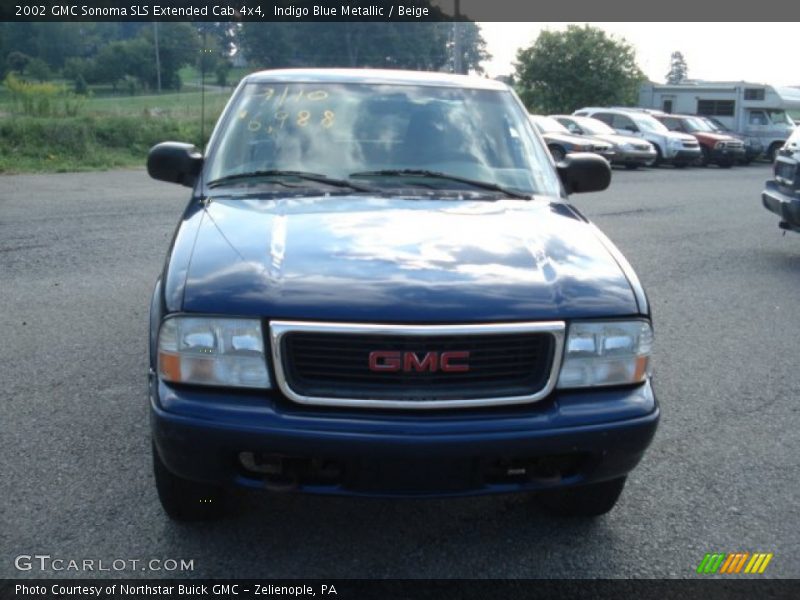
(786, 172)
(329, 363)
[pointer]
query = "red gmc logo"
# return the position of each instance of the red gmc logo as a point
(390, 361)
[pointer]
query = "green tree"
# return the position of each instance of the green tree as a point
(111, 64)
(37, 69)
(397, 45)
(678, 69)
(179, 45)
(582, 66)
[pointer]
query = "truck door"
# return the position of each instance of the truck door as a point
(757, 125)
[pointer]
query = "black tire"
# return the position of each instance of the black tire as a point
(631, 166)
(185, 500)
(705, 156)
(558, 153)
(772, 153)
(590, 500)
(658, 160)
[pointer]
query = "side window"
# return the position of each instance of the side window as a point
(571, 126)
(606, 118)
(672, 124)
(624, 123)
(757, 117)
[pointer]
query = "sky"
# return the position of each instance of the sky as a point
(755, 52)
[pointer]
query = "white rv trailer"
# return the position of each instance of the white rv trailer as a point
(753, 110)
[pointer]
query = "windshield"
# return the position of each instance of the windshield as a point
(648, 123)
(548, 124)
(593, 126)
(339, 129)
(715, 125)
(697, 124)
(779, 117)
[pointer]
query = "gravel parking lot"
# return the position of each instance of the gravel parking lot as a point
(79, 254)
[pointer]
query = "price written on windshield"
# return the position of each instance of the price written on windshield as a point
(299, 107)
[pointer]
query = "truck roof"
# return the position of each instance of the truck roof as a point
(376, 76)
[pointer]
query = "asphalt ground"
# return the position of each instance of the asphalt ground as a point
(79, 254)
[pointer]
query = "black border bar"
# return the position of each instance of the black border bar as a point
(730, 588)
(390, 10)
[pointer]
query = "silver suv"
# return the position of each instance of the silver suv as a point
(678, 149)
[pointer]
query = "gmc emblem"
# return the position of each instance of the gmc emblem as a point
(390, 361)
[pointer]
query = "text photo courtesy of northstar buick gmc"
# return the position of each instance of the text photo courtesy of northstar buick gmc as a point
(378, 287)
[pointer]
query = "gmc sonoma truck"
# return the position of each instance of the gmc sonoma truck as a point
(782, 195)
(379, 288)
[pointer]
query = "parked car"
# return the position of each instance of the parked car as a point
(753, 148)
(717, 148)
(379, 287)
(782, 194)
(628, 150)
(561, 142)
(678, 149)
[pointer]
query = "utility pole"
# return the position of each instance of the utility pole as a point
(158, 57)
(458, 53)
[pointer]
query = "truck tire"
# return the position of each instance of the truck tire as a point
(657, 160)
(185, 500)
(773, 151)
(590, 500)
(705, 156)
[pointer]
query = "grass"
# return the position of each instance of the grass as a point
(110, 131)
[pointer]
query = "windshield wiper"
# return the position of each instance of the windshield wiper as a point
(486, 185)
(316, 177)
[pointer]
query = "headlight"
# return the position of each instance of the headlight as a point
(607, 353)
(213, 351)
(719, 145)
(676, 143)
(627, 147)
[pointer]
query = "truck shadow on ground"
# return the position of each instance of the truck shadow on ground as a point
(285, 535)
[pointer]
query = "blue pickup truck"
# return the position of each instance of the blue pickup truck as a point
(378, 287)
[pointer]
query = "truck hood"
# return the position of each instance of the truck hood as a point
(709, 137)
(566, 139)
(617, 139)
(379, 259)
(677, 135)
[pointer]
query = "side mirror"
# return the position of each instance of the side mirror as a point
(584, 172)
(175, 162)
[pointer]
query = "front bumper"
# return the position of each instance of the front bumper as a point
(783, 203)
(684, 155)
(566, 439)
(727, 155)
(634, 157)
(610, 155)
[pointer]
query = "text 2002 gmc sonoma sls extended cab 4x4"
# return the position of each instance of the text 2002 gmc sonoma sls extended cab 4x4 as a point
(379, 288)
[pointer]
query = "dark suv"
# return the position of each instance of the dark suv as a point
(379, 287)
(782, 194)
